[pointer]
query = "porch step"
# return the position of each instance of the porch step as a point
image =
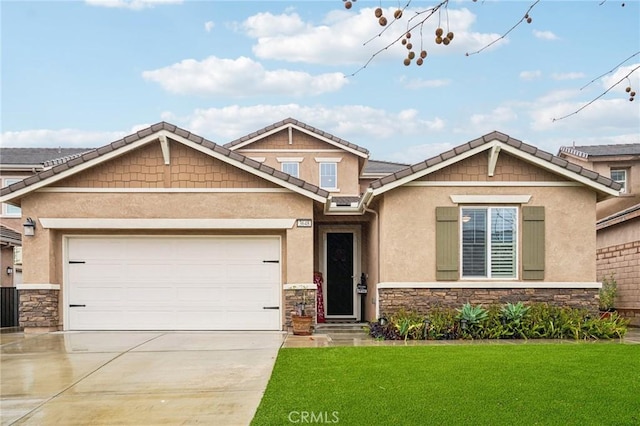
(343, 331)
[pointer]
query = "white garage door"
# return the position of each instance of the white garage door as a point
(173, 283)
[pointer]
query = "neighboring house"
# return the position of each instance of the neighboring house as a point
(15, 165)
(166, 230)
(618, 226)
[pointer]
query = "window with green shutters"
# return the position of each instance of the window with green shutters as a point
(489, 242)
(483, 242)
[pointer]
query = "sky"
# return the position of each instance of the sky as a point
(86, 73)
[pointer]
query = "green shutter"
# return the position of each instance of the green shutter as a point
(447, 244)
(533, 243)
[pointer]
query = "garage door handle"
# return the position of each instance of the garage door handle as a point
(271, 307)
(270, 261)
(77, 306)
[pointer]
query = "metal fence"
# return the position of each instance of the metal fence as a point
(8, 307)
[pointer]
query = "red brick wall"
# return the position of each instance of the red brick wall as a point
(623, 261)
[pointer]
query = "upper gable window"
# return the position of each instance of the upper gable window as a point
(329, 175)
(291, 168)
(620, 176)
(290, 165)
(329, 172)
(8, 209)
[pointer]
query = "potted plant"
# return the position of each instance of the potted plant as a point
(608, 296)
(301, 322)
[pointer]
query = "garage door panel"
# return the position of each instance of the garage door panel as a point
(213, 295)
(183, 283)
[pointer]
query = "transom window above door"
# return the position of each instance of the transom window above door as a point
(489, 242)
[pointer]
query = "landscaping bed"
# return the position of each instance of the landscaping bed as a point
(509, 321)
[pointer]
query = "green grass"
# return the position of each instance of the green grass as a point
(545, 384)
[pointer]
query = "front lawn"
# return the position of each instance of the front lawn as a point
(558, 384)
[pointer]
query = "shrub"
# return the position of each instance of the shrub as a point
(510, 321)
(608, 293)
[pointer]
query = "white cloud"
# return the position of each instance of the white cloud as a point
(545, 35)
(530, 75)
(131, 4)
(567, 75)
(492, 121)
(417, 153)
(339, 39)
(208, 26)
(265, 24)
(604, 115)
(633, 80)
(240, 77)
(69, 138)
(362, 125)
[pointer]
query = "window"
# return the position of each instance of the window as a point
(329, 175)
(489, 241)
(290, 168)
(8, 209)
(620, 176)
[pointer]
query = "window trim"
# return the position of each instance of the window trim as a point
(518, 238)
(335, 165)
(625, 182)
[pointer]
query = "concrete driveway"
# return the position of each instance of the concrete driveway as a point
(135, 378)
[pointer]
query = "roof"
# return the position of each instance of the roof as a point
(154, 132)
(9, 236)
(513, 146)
(602, 150)
(31, 156)
(245, 140)
(619, 217)
(377, 167)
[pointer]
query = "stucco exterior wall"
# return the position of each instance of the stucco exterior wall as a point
(625, 200)
(37, 250)
(308, 148)
(408, 230)
(6, 259)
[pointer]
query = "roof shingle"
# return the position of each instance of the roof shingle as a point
(529, 149)
(127, 140)
(301, 125)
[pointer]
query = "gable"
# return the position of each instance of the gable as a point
(166, 135)
(145, 168)
(497, 144)
(280, 141)
(508, 169)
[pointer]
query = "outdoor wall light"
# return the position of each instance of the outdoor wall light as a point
(29, 227)
(9, 270)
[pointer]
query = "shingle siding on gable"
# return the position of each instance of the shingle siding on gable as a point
(280, 140)
(508, 168)
(145, 168)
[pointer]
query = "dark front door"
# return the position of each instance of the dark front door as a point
(340, 273)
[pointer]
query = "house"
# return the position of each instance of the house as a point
(164, 229)
(15, 165)
(618, 226)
